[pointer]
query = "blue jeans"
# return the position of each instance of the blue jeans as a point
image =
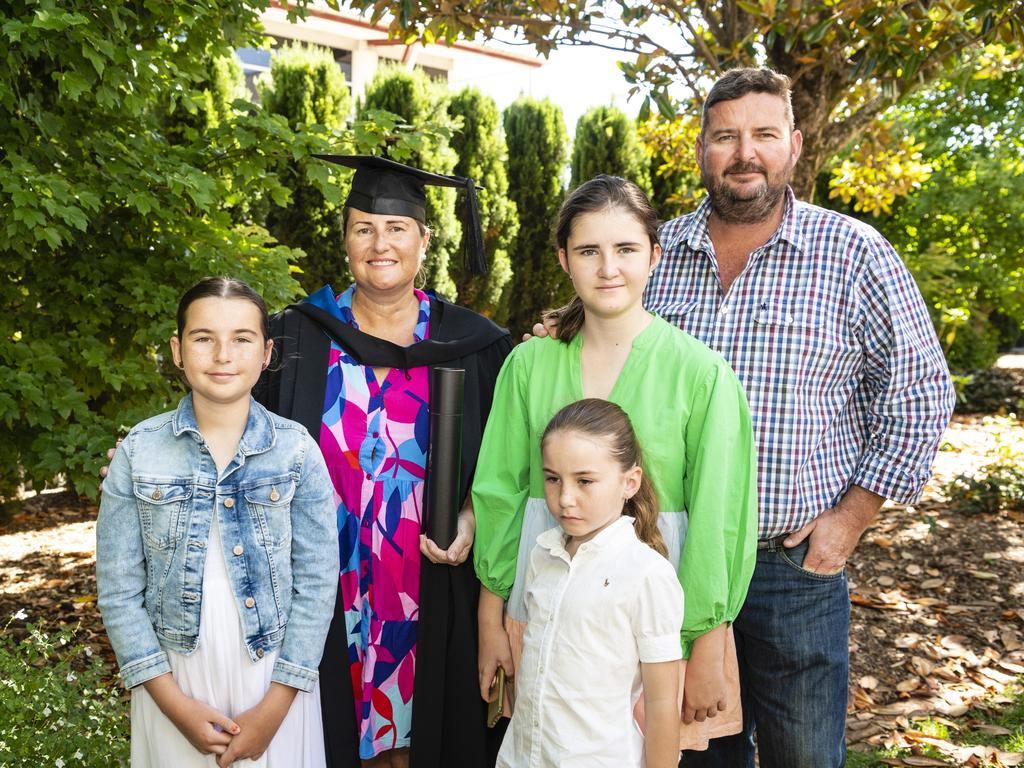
(792, 640)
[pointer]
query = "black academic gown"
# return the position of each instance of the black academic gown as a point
(449, 718)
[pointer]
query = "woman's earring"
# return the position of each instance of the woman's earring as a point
(651, 273)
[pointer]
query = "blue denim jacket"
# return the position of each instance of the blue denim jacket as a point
(276, 511)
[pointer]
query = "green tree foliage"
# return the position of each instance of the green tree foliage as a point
(107, 217)
(849, 61)
(962, 234)
(675, 178)
(606, 142)
(113, 202)
(535, 132)
(483, 157)
(423, 103)
(189, 113)
(306, 86)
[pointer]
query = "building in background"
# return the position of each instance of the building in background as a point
(359, 47)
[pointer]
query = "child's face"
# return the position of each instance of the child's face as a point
(609, 258)
(222, 350)
(585, 488)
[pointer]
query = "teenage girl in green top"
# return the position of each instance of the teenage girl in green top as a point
(690, 415)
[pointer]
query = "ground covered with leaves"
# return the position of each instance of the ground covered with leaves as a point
(937, 639)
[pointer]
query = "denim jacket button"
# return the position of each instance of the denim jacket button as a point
(229, 503)
(157, 495)
(259, 653)
(274, 495)
(249, 602)
(238, 549)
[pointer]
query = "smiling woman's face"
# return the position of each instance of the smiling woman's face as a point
(384, 251)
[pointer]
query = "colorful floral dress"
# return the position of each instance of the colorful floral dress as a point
(374, 440)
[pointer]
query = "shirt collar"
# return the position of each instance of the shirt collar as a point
(612, 537)
(341, 307)
(695, 233)
(259, 434)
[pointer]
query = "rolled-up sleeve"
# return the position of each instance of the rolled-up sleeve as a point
(720, 491)
(658, 615)
(502, 480)
(121, 577)
(907, 391)
(315, 568)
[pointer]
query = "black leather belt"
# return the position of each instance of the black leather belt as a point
(773, 543)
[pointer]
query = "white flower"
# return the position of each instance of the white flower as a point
(21, 615)
(59, 762)
(88, 651)
(47, 711)
(78, 755)
(71, 677)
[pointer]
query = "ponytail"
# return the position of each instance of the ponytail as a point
(643, 508)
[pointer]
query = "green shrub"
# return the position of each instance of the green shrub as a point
(535, 132)
(606, 142)
(483, 157)
(57, 705)
(307, 88)
(998, 487)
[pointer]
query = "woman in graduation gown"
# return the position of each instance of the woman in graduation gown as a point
(398, 679)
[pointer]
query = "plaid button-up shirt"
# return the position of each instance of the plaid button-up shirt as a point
(831, 339)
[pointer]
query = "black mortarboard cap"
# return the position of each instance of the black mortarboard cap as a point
(386, 187)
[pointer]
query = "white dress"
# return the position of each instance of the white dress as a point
(221, 674)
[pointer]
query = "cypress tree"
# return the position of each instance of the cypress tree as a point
(606, 142)
(536, 138)
(482, 157)
(307, 88)
(422, 101)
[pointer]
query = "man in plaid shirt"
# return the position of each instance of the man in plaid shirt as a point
(848, 390)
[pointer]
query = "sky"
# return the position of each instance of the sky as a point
(575, 78)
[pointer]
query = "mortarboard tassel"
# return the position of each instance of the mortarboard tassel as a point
(476, 257)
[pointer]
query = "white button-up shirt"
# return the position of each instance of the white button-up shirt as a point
(592, 619)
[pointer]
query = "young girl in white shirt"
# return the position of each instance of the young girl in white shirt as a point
(604, 608)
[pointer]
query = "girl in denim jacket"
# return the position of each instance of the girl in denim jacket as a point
(216, 559)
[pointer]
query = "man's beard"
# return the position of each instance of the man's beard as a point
(748, 209)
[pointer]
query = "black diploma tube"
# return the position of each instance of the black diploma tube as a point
(444, 457)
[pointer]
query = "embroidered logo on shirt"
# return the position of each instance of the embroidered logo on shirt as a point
(606, 582)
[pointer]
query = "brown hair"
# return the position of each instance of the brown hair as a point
(602, 419)
(737, 83)
(598, 194)
(222, 288)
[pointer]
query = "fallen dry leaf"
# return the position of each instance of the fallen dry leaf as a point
(920, 666)
(1010, 639)
(868, 682)
(908, 685)
(932, 583)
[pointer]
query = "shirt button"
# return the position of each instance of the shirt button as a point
(369, 476)
(376, 434)
(249, 602)
(259, 653)
(229, 503)
(238, 549)
(723, 311)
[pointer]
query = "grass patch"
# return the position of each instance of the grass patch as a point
(999, 725)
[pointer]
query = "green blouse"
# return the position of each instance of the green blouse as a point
(690, 415)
